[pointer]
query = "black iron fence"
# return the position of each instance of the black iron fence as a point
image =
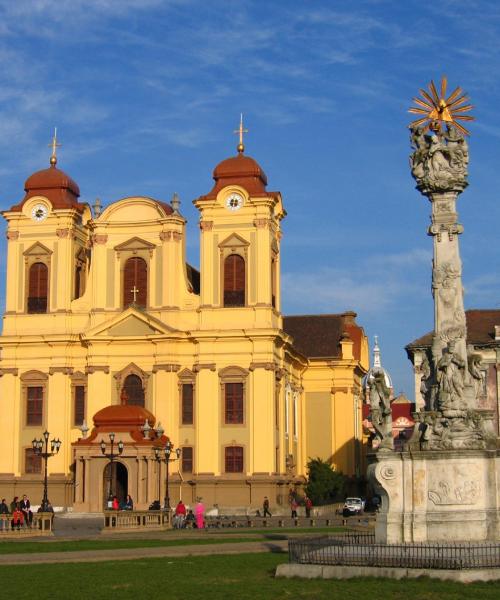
(353, 549)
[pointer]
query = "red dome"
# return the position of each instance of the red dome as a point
(239, 170)
(123, 417)
(240, 166)
(51, 179)
(55, 185)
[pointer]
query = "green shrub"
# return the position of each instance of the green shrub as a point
(324, 485)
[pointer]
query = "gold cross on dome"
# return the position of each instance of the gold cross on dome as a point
(54, 145)
(240, 131)
(134, 291)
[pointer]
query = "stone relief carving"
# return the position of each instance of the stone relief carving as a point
(467, 492)
(475, 366)
(380, 410)
(439, 161)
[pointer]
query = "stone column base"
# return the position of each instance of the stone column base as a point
(437, 495)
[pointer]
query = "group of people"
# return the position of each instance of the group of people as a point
(18, 513)
(185, 518)
(115, 504)
(294, 505)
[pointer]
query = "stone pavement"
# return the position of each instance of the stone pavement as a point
(141, 553)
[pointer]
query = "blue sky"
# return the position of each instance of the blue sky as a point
(146, 94)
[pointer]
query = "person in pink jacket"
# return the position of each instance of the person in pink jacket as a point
(199, 512)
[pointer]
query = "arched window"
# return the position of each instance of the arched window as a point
(133, 391)
(38, 288)
(135, 282)
(234, 280)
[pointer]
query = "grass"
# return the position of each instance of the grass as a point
(26, 547)
(240, 577)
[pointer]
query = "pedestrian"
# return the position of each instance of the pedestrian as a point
(17, 518)
(180, 515)
(265, 506)
(115, 505)
(199, 512)
(308, 504)
(190, 520)
(14, 503)
(4, 515)
(25, 506)
(294, 506)
(129, 503)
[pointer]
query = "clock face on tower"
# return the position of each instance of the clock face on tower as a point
(39, 212)
(234, 201)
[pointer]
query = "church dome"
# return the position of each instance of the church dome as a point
(51, 179)
(123, 417)
(239, 170)
(376, 368)
(240, 166)
(55, 185)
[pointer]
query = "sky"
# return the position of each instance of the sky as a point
(146, 94)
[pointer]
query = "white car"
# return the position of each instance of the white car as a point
(354, 505)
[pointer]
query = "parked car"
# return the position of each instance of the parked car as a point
(353, 506)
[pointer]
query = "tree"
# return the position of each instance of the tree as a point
(324, 485)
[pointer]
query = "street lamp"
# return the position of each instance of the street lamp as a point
(166, 451)
(38, 449)
(111, 456)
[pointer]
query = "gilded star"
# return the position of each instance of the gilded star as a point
(439, 109)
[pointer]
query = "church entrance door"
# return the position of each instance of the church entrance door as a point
(115, 482)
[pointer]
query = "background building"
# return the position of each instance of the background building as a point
(483, 339)
(107, 324)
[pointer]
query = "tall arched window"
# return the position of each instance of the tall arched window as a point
(38, 288)
(234, 280)
(135, 282)
(133, 390)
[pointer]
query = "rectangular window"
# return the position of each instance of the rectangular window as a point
(32, 462)
(233, 403)
(34, 408)
(234, 459)
(187, 459)
(295, 413)
(79, 399)
(187, 403)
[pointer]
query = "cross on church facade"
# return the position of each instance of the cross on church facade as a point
(134, 291)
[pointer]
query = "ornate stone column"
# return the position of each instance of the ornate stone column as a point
(450, 419)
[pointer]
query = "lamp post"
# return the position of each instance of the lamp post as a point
(163, 454)
(38, 449)
(111, 456)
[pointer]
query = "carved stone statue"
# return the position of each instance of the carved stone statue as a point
(439, 161)
(476, 372)
(380, 410)
(450, 379)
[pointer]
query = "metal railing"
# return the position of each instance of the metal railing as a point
(354, 549)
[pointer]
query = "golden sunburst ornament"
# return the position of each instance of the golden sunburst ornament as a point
(439, 109)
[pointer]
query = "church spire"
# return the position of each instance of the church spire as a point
(377, 363)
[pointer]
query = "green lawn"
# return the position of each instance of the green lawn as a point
(245, 576)
(26, 547)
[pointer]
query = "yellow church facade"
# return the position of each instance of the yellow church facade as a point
(108, 330)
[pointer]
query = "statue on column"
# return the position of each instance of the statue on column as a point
(380, 410)
(451, 376)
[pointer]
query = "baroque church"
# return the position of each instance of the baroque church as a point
(117, 346)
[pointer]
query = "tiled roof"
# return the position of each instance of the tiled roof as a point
(480, 328)
(318, 336)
